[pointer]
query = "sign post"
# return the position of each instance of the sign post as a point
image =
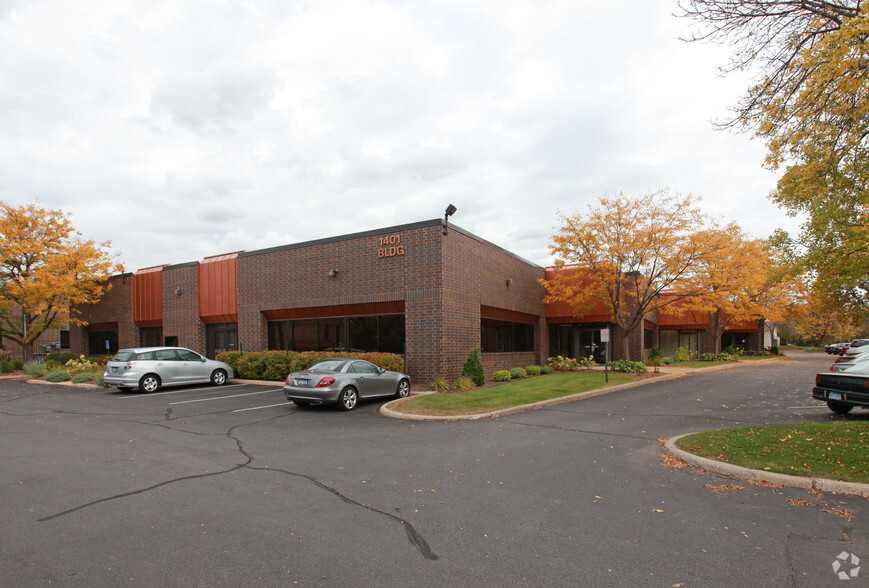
(605, 338)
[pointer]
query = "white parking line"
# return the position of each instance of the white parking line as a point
(259, 407)
(801, 407)
(153, 394)
(223, 397)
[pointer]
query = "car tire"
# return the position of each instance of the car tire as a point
(218, 377)
(149, 383)
(348, 398)
(403, 390)
(839, 407)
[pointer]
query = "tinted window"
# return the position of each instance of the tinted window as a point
(146, 356)
(165, 355)
(187, 355)
(363, 367)
(329, 365)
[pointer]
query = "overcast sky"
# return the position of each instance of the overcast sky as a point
(189, 128)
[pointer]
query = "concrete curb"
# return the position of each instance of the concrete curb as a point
(743, 473)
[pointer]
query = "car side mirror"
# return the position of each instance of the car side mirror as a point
(381, 370)
(202, 359)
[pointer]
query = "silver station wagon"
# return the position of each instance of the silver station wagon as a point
(150, 368)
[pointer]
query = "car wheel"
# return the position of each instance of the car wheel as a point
(839, 407)
(403, 389)
(348, 398)
(149, 383)
(218, 377)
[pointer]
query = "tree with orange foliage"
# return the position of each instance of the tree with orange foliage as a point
(740, 281)
(46, 270)
(816, 320)
(628, 251)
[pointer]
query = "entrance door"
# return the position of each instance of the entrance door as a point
(590, 345)
(219, 338)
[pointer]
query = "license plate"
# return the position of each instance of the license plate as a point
(114, 370)
(300, 382)
(834, 396)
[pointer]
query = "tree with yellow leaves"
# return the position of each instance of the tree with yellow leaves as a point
(46, 271)
(626, 252)
(740, 281)
(810, 103)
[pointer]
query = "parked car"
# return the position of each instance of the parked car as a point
(150, 368)
(835, 348)
(844, 390)
(852, 353)
(344, 382)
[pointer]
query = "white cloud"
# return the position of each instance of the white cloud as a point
(183, 130)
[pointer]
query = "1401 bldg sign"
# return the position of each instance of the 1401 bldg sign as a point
(390, 246)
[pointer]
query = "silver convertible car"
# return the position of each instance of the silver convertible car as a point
(344, 382)
(149, 368)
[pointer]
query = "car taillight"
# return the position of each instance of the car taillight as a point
(818, 378)
(130, 365)
(287, 380)
(325, 382)
(838, 360)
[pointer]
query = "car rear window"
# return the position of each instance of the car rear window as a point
(860, 343)
(328, 365)
(124, 355)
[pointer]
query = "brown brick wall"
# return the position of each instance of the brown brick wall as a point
(181, 311)
(116, 305)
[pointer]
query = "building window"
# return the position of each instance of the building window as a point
(498, 336)
(382, 333)
(64, 339)
(648, 339)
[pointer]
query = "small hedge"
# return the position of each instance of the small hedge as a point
(276, 365)
(502, 376)
(629, 367)
(473, 368)
(533, 370)
(57, 376)
(83, 377)
(516, 373)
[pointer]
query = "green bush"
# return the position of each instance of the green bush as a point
(276, 365)
(4, 355)
(57, 376)
(774, 350)
(629, 367)
(587, 363)
(725, 357)
(668, 360)
(501, 376)
(463, 384)
(35, 368)
(473, 368)
(682, 354)
(440, 385)
(17, 364)
(533, 370)
(709, 357)
(83, 377)
(545, 369)
(562, 364)
(516, 373)
(5, 366)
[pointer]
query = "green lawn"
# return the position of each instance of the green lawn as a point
(524, 391)
(837, 450)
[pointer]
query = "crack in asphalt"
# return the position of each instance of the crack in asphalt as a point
(413, 536)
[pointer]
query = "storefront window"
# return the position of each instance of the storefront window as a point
(498, 336)
(383, 333)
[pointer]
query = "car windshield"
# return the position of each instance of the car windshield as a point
(859, 342)
(124, 355)
(328, 365)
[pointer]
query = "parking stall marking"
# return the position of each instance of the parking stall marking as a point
(179, 391)
(223, 397)
(261, 407)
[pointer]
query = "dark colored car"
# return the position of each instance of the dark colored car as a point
(835, 348)
(343, 382)
(844, 390)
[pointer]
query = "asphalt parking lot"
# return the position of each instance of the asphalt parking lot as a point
(233, 486)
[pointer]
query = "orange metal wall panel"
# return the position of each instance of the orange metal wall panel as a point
(678, 316)
(741, 327)
(364, 309)
(147, 297)
(218, 289)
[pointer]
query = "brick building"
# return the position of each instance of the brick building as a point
(429, 292)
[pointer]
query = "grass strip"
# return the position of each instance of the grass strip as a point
(837, 450)
(517, 393)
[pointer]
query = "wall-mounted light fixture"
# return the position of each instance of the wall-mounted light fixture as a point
(450, 211)
(178, 291)
(509, 281)
(333, 273)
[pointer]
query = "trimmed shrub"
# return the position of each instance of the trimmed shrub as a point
(5, 366)
(4, 355)
(562, 364)
(501, 376)
(463, 384)
(35, 368)
(84, 377)
(276, 365)
(708, 357)
(516, 373)
(440, 385)
(473, 368)
(725, 357)
(545, 369)
(668, 360)
(533, 370)
(682, 354)
(80, 364)
(57, 376)
(17, 364)
(629, 367)
(774, 350)
(587, 363)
